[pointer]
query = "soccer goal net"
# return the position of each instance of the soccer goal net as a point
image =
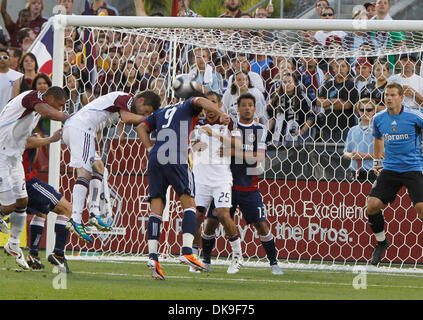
(316, 92)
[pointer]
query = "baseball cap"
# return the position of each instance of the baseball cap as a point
(363, 61)
(368, 4)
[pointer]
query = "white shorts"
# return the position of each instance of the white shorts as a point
(222, 195)
(12, 180)
(81, 147)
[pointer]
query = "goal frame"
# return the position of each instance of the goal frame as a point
(60, 22)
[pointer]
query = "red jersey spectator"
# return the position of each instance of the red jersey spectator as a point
(24, 20)
(37, 20)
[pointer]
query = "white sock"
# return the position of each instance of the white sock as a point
(96, 184)
(236, 247)
(17, 224)
(79, 194)
(187, 239)
(153, 246)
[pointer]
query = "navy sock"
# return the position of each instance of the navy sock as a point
(61, 239)
(270, 248)
(36, 232)
(153, 234)
(208, 245)
(189, 226)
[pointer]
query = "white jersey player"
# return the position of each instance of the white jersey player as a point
(79, 134)
(17, 121)
(213, 179)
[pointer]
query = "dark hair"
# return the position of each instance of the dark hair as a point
(5, 51)
(30, 54)
(150, 99)
(22, 11)
(16, 51)
(233, 85)
(246, 96)
(56, 92)
(333, 10)
(392, 85)
(212, 93)
(39, 76)
(23, 33)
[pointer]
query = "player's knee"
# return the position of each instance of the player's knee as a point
(22, 203)
(262, 228)
(98, 167)
(419, 209)
(374, 205)
(63, 208)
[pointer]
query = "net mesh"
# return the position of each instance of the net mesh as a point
(307, 86)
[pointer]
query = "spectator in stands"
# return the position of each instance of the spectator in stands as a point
(15, 54)
(68, 5)
(26, 37)
(128, 51)
(130, 81)
(337, 97)
(184, 10)
(285, 66)
(327, 38)
(359, 143)
(311, 76)
(356, 40)
(159, 86)
(24, 20)
(240, 63)
(370, 9)
(232, 9)
(261, 13)
(29, 67)
(222, 71)
(410, 81)
(77, 98)
(289, 113)
(108, 80)
(386, 39)
(363, 72)
(320, 5)
(37, 20)
(8, 77)
(376, 87)
(260, 63)
(240, 85)
(97, 4)
(203, 72)
(41, 83)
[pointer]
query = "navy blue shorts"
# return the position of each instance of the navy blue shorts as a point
(249, 202)
(160, 176)
(251, 205)
(42, 197)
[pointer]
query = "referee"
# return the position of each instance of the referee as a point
(397, 140)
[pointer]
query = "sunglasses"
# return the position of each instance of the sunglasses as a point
(4, 57)
(327, 15)
(367, 109)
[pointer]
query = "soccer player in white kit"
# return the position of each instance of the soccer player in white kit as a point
(17, 121)
(79, 134)
(213, 180)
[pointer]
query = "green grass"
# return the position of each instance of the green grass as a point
(132, 281)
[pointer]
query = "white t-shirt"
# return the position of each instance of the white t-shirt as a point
(230, 104)
(6, 86)
(321, 36)
(17, 121)
(209, 167)
(415, 82)
(256, 81)
(102, 112)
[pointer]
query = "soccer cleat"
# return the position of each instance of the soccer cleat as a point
(155, 269)
(79, 229)
(208, 266)
(60, 262)
(193, 270)
(276, 270)
(191, 260)
(97, 222)
(235, 265)
(378, 252)
(3, 226)
(34, 262)
(18, 254)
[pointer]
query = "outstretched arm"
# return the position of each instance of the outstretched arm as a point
(131, 118)
(49, 112)
(37, 141)
(143, 132)
(207, 105)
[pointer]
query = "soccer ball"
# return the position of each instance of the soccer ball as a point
(185, 88)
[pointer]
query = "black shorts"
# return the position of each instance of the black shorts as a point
(388, 183)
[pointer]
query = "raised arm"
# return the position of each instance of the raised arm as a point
(49, 112)
(6, 17)
(207, 105)
(139, 8)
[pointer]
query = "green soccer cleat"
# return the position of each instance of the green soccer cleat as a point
(79, 229)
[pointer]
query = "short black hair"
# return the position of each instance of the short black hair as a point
(56, 92)
(213, 93)
(150, 99)
(5, 51)
(40, 76)
(246, 96)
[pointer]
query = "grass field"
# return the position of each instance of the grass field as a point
(132, 281)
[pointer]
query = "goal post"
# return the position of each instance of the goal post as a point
(315, 210)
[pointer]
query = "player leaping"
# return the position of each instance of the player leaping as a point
(168, 165)
(79, 134)
(17, 121)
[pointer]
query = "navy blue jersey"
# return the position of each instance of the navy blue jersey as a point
(401, 135)
(253, 138)
(173, 125)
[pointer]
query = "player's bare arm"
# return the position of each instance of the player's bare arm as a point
(210, 106)
(49, 112)
(36, 141)
(143, 132)
(131, 118)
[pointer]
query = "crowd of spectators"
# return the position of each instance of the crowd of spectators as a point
(300, 100)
